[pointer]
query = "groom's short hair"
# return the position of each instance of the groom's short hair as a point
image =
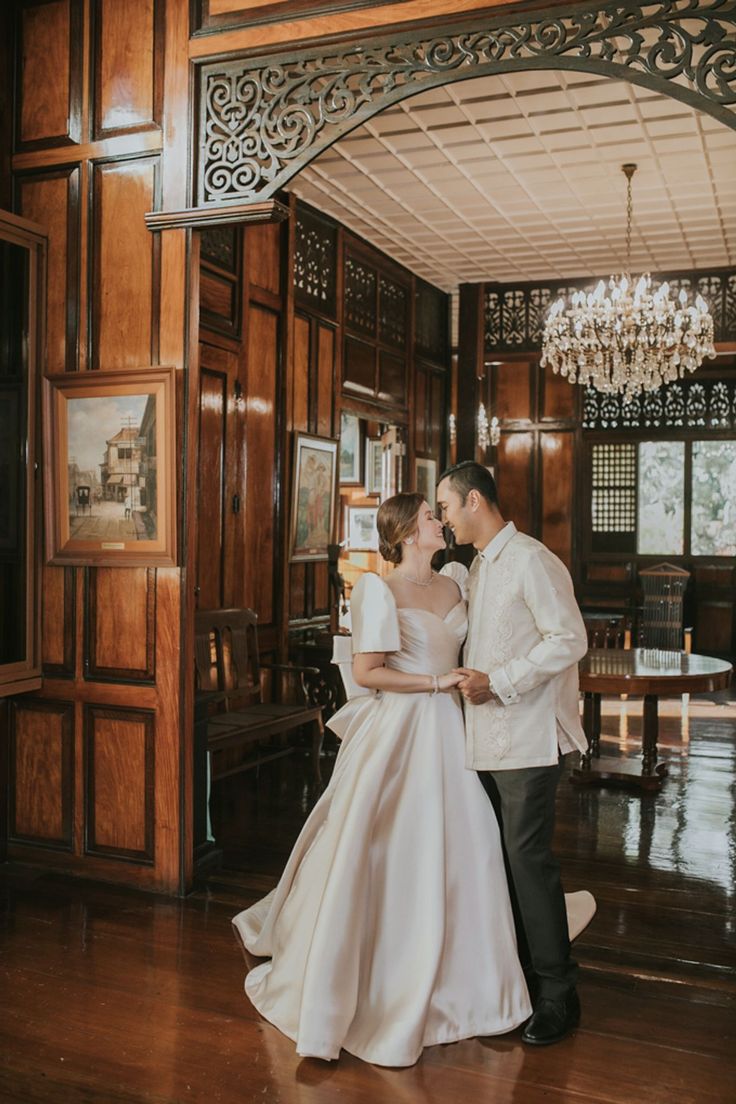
(469, 476)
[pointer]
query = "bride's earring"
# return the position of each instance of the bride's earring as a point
(409, 540)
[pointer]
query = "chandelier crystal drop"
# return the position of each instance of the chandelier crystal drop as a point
(627, 338)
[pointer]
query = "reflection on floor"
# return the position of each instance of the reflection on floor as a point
(129, 997)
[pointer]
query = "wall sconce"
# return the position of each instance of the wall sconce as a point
(482, 428)
(495, 433)
(452, 426)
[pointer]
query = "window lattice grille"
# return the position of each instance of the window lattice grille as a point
(614, 488)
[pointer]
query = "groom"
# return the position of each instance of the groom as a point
(524, 641)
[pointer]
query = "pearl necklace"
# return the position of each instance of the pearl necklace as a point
(418, 582)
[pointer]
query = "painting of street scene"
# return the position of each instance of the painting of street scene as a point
(111, 466)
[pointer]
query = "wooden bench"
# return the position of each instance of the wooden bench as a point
(243, 730)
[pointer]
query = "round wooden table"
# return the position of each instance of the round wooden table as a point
(638, 672)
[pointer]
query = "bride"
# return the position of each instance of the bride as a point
(391, 927)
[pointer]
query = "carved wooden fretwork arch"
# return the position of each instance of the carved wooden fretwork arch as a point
(261, 120)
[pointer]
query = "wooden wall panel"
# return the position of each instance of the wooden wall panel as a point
(559, 396)
(263, 256)
(50, 74)
(120, 618)
(512, 391)
(558, 456)
(261, 399)
(211, 489)
(325, 379)
(119, 782)
(715, 627)
(127, 78)
(515, 479)
(52, 200)
(302, 348)
(58, 621)
(125, 267)
(420, 411)
(41, 772)
(437, 416)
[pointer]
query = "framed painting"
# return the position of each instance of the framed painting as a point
(350, 450)
(313, 497)
(373, 465)
(110, 483)
(360, 527)
(425, 478)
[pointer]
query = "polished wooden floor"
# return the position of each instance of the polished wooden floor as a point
(114, 996)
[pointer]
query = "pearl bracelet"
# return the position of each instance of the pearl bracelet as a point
(435, 684)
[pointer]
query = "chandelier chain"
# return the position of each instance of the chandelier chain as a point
(629, 214)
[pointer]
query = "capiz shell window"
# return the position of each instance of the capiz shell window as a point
(713, 524)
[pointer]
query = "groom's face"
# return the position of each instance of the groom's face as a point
(454, 513)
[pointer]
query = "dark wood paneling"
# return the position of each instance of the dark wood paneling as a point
(209, 15)
(714, 629)
(297, 591)
(120, 623)
(260, 515)
(515, 479)
(392, 378)
(558, 396)
(302, 349)
(325, 398)
(511, 391)
(213, 444)
(119, 783)
(125, 266)
(437, 417)
(217, 300)
(421, 404)
(41, 772)
(263, 257)
(49, 107)
(608, 572)
(359, 367)
(58, 621)
(51, 199)
(128, 56)
(557, 451)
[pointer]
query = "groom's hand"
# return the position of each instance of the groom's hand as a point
(475, 686)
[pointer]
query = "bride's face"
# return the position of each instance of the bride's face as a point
(429, 535)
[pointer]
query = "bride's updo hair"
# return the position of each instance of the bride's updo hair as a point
(397, 520)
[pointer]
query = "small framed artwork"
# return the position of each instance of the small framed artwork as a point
(425, 478)
(362, 535)
(350, 450)
(313, 497)
(110, 476)
(373, 465)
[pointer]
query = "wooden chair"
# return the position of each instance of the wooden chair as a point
(249, 731)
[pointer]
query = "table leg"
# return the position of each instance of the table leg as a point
(591, 727)
(650, 731)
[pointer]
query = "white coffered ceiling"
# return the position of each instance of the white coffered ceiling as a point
(518, 177)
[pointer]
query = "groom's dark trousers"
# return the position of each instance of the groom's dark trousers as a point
(524, 802)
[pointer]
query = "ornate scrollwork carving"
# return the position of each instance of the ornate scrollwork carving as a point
(262, 120)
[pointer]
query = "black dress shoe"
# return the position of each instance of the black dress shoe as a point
(552, 1020)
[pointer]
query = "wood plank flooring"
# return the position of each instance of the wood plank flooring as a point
(113, 996)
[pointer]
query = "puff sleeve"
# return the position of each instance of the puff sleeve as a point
(459, 574)
(373, 615)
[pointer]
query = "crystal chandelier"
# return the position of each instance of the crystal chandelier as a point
(628, 338)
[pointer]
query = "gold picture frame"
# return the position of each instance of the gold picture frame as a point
(313, 497)
(110, 474)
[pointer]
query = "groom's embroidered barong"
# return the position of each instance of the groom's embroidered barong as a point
(527, 633)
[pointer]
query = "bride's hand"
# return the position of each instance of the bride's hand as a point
(449, 681)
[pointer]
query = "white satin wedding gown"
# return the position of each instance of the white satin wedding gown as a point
(391, 928)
